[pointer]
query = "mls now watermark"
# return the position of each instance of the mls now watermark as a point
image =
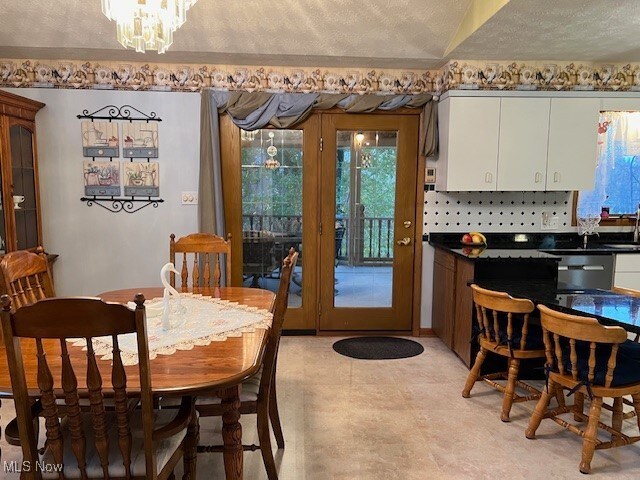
(26, 467)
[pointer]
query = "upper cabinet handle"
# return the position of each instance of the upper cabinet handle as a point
(537, 177)
(488, 177)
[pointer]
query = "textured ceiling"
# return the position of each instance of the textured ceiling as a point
(404, 33)
(378, 33)
(584, 30)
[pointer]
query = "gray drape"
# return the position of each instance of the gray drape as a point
(255, 110)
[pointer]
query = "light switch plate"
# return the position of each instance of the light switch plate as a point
(189, 198)
(430, 175)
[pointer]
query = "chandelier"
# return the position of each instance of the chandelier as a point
(147, 24)
(272, 162)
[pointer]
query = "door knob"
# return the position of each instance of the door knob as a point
(407, 224)
(404, 241)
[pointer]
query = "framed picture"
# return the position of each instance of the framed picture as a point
(140, 139)
(101, 178)
(100, 139)
(142, 179)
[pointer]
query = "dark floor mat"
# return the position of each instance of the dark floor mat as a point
(378, 348)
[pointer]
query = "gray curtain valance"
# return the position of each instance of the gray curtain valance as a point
(255, 110)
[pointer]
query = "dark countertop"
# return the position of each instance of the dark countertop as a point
(609, 308)
(479, 253)
(551, 243)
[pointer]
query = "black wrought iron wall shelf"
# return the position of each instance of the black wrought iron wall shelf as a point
(111, 112)
(128, 205)
(111, 203)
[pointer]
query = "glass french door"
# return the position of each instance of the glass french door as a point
(340, 189)
(367, 211)
(271, 184)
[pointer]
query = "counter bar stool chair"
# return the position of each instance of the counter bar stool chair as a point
(258, 393)
(504, 329)
(587, 359)
(206, 249)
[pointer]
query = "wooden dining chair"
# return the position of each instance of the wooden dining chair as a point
(27, 278)
(206, 249)
(504, 329)
(258, 393)
(589, 359)
(124, 443)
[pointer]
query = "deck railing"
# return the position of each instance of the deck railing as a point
(291, 224)
(373, 244)
(378, 239)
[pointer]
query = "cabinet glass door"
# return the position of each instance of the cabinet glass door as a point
(24, 187)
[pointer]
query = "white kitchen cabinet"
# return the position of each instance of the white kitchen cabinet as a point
(627, 271)
(522, 146)
(573, 134)
(512, 143)
(468, 129)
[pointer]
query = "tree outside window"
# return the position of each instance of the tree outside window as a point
(617, 180)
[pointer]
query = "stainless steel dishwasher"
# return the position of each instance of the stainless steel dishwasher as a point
(586, 271)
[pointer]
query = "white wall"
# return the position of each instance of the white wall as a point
(100, 250)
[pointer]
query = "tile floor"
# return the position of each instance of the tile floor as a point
(402, 419)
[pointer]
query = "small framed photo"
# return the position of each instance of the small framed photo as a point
(142, 179)
(140, 140)
(100, 139)
(101, 178)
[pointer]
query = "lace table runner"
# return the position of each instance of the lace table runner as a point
(201, 321)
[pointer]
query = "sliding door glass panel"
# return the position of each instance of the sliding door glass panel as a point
(271, 207)
(365, 209)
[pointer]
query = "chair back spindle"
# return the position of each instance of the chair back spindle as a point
(491, 306)
(202, 246)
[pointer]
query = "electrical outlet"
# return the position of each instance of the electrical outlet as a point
(189, 198)
(548, 222)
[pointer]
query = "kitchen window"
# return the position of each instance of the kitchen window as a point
(617, 185)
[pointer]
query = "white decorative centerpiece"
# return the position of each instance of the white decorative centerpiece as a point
(170, 296)
(169, 292)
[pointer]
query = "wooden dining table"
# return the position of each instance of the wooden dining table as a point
(218, 368)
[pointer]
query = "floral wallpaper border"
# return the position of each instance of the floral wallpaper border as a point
(546, 75)
(192, 78)
(456, 74)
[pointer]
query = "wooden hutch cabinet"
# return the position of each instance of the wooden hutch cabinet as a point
(21, 227)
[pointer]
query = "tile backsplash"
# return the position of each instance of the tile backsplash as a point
(495, 211)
